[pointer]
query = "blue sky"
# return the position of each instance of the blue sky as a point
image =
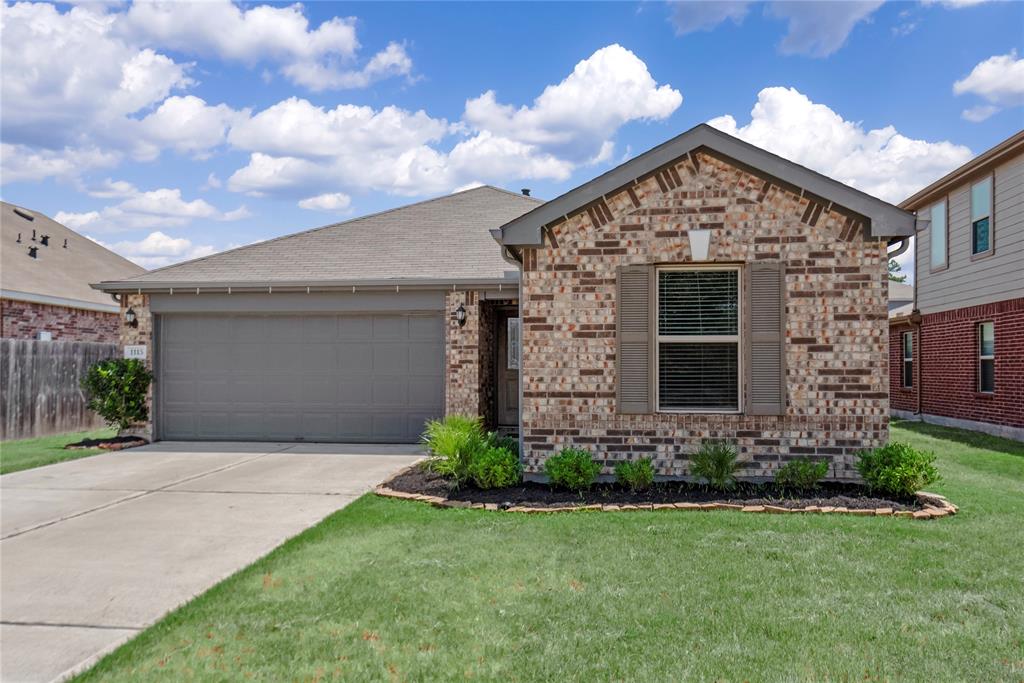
(169, 131)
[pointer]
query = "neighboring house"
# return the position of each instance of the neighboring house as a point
(901, 296)
(45, 281)
(705, 289)
(957, 352)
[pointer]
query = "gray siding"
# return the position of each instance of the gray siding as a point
(987, 280)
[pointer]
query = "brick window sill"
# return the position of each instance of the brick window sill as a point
(985, 395)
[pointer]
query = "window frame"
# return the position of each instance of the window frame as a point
(658, 338)
(907, 359)
(931, 236)
(982, 357)
(991, 179)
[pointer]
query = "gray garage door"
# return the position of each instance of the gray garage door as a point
(299, 378)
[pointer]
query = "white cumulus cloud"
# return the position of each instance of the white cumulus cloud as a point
(816, 28)
(317, 58)
(158, 249)
(999, 80)
(331, 201)
(298, 148)
(881, 161)
(160, 208)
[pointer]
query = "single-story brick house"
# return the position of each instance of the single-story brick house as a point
(704, 289)
(45, 279)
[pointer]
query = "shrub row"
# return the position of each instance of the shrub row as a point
(896, 469)
(462, 450)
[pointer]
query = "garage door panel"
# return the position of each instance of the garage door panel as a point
(390, 358)
(390, 328)
(320, 329)
(426, 359)
(355, 327)
(355, 393)
(355, 358)
(316, 377)
(426, 328)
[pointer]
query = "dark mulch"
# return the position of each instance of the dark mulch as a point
(419, 479)
(114, 443)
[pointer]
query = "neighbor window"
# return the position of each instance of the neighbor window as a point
(698, 352)
(939, 235)
(908, 360)
(987, 357)
(981, 216)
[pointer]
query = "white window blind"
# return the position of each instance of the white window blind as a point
(987, 357)
(698, 340)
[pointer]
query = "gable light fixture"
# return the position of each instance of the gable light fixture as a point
(460, 315)
(130, 319)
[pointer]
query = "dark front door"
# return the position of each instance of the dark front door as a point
(507, 376)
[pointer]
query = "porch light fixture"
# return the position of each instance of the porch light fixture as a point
(130, 319)
(460, 315)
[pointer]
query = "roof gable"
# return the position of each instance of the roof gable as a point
(884, 219)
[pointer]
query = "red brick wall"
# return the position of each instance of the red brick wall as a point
(23, 320)
(900, 398)
(950, 364)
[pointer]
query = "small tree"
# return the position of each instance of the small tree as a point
(116, 389)
(896, 273)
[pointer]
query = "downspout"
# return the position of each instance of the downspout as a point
(915, 322)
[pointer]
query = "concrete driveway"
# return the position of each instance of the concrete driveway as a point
(94, 550)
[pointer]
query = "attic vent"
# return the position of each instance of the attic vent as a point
(32, 251)
(45, 239)
(24, 214)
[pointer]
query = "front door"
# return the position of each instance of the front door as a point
(507, 390)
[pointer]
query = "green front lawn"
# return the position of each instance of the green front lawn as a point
(395, 590)
(46, 450)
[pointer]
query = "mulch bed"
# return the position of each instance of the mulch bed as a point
(115, 443)
(420, 483)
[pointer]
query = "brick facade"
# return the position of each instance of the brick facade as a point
(24, 320)
(836, 321)
(469, 351)
(900, 397)
(946, 365)
(142, 334)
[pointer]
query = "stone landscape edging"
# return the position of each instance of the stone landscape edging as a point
(935, 506)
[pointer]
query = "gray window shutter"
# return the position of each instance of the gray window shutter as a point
(633, 317)
(765, 352)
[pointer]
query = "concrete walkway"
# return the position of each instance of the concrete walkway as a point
(94, 550)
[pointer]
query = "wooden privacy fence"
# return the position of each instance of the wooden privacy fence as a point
(40, 386)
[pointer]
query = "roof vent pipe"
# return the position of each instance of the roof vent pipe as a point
(18, 241)
(33, 235)
(525, 191)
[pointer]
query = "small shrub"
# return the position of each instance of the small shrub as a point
(507, 442)
(716, 464)
(453, 442)
(573, 469)
(897, 468)
(638, 475)
(801, 474)
(495, 467)
(116, 389)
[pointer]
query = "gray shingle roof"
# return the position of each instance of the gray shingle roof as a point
(56, 272)
(444, 239)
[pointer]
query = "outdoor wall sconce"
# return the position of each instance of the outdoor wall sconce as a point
(460, 315)
(130, 319)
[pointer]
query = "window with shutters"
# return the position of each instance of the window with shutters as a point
(698, 339)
